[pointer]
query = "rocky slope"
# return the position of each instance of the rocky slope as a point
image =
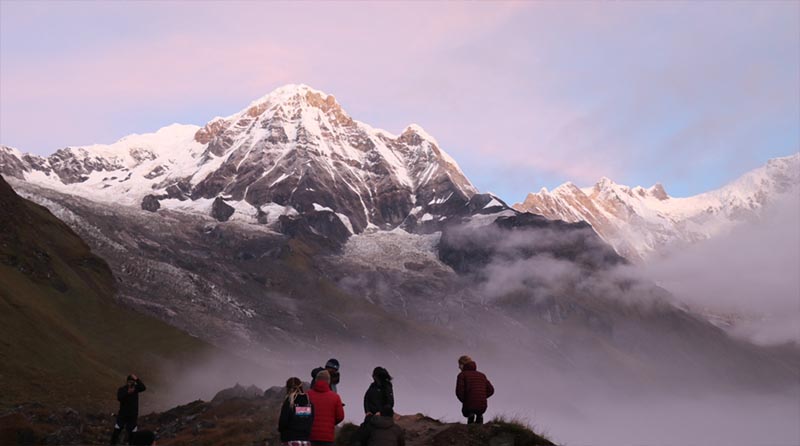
(292, 151)
(640, 222)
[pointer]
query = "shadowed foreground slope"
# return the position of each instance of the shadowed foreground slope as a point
(63, 339)
(238, 416)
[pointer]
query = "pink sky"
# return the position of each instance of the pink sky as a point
(523, 95)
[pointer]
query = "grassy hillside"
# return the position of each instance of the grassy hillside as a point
(63, 338)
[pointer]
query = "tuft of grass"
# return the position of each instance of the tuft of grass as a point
(521, 429)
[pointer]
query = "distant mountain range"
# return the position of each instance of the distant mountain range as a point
(640, 222)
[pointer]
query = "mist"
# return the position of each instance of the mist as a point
(604, 375)
(750, 275)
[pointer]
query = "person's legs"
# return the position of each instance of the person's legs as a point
(115, 435)
(130, 427)
(479, 417)
(118, 424)
(469, 414)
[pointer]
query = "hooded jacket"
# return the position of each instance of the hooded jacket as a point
(378, 396)
(290, 427)
(383, 432)
(473, 388)
(328, 412)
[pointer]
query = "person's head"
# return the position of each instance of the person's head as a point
(293, 385)
(381, 375)
(130, 381)
(462, 361)
(324, 376)
(332, 365)
(387, 411)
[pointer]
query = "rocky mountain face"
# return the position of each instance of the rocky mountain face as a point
(292, 152)
(494, 281)
(641, 222)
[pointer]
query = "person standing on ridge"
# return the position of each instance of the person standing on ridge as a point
(380, 393)
(297, 415)
(328, 411)
(128, 414)
(472, 389)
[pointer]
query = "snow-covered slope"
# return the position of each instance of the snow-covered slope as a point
(292, 151)
(639, 222)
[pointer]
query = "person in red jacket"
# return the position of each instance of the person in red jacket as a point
(328, 411)
(472, 389)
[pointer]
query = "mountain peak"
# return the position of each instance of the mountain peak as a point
(288, 92)
(657, 191)
(604, 183)
(418, 130)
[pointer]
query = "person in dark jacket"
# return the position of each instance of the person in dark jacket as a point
(380, 393)
(328, 411)
(332, 367)
(297, 415)
(383, 431)
(128, 414)
(472, 389)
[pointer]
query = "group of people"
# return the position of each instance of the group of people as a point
(309, 417)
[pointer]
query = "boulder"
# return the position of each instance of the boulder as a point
(220, 210)
(150, 203)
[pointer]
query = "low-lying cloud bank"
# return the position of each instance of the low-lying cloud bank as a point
(749, 277)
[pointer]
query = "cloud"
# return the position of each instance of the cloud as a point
(750, 273)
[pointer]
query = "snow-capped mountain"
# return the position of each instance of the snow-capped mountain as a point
(292, 151)
(639, 222)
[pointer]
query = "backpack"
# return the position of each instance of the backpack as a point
(302, 416)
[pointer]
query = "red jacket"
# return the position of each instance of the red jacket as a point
(473, 388)
(328, 412)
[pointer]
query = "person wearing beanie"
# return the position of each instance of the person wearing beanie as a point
(328, 410)
(473, 390)
(128, 414)
(332, 366)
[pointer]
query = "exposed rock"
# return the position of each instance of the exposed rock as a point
(323, 227)
(237, 391)
(220, 210)
(150, 203)
(470, 247)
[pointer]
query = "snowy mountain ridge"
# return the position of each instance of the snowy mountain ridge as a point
(640, 222)
(293, 151)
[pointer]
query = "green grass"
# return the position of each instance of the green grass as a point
(63, 338)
